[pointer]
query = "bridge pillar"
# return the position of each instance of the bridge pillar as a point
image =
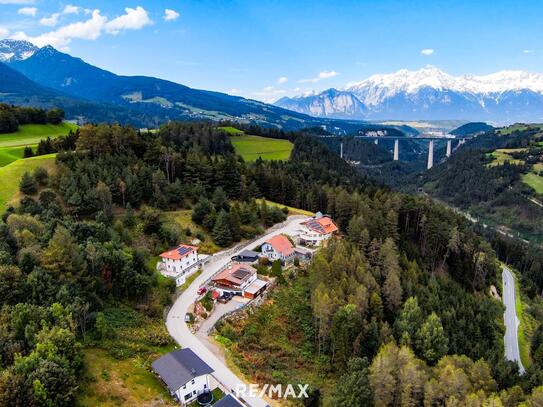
(430, 154)
(376, 141)
(396, 149)
(341, 150)
(449, 148)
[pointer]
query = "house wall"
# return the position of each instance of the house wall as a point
(190, 391)
(178, 266)
(269, 252)
(310, 237)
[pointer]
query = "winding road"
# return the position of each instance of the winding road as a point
(510, 318)
(180, 331)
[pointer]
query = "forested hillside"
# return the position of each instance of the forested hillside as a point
(496, 178)
(376, 319)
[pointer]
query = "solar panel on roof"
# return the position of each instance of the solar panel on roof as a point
(240, 274)
(313, 224)
(184, 250)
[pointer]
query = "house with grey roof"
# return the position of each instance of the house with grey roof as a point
(184, 373)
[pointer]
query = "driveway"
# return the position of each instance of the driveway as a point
(510, 318)
(180, 331)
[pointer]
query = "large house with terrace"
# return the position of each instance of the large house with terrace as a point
(279, 247)
(179, 263)
(317, 230)
(239, 279)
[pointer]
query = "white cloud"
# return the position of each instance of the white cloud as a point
(28, 11)
(321, 76)
(269, 93)
(170, 15)
(3, 32)
(134, 19)
(17, 1)
(427, 51)
(282, 80)
(50, 21)
(90, 29)
(528, 51)
(69, 9)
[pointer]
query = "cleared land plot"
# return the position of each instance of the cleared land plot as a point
(534, 181)
(231, 130)
(184, 219)
(11, 174)
(252, 147)
(32, 133)
(503, 154)
(291, 210)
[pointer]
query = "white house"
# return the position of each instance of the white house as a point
(317, 230)
(278, 247)
(185, 374)
(179, 263)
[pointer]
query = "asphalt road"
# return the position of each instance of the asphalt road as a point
(510, 318)
(180, 331)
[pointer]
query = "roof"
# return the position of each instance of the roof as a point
(256, 286)
(228, 401)
(248, 253)
(236, 274)
(179, 367)
(323, 225)
(179, 252)
(281, 244)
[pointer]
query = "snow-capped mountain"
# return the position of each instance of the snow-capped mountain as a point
(330, 103)
(15, 50)
(430, 93)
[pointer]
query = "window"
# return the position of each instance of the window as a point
(192, 381)
(187, 396)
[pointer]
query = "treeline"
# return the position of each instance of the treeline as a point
(13, 116)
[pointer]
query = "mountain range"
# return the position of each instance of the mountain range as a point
(430, 94)
(46, 77)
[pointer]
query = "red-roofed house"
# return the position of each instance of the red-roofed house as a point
(316, 231)
(179, 262)
(278, 247)
(239, 279)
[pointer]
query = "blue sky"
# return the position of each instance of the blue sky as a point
(267, 49)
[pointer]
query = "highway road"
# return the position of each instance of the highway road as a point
(510, 318)
(180, 331)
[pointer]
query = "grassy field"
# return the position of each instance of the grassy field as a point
(520, 127)
(33, 133)
(252, 147)
(118, 367)
(291, 210)
(11, 174)
(502, 155)
(184, 219)
(232, 130)
(10, 154)
(534, 181)
(524, 331)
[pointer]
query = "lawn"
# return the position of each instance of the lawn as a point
(252, 147)
(10, 154)
(533, 180)
(11, 174)
(33, 133)
(524, 331)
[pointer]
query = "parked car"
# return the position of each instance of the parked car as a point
(188, 317)
(202, 290)
(225, 297)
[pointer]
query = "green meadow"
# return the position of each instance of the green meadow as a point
(252, 147)
(11, 174)
(29, 134)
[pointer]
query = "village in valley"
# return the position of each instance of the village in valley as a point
(219, 286)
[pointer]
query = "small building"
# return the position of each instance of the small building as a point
(185, 374)
(179, 262)
(228, 401)
(303, 254)
(279, 247)
(246, 256)
(316, 231)
(239, 279)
